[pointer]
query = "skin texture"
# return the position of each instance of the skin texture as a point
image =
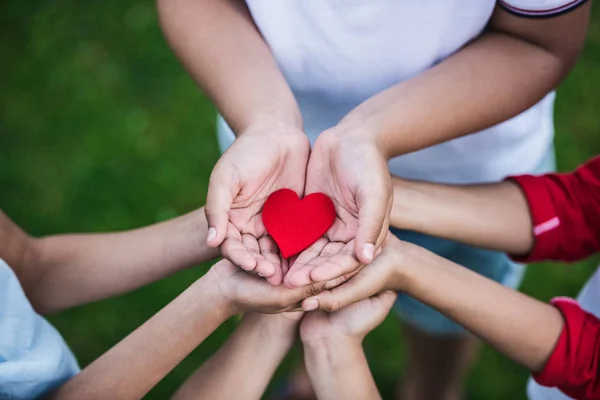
(62, 271)
(484, 307)
(513, 64)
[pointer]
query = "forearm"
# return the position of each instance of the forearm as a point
(505, 71)
(338, 369)
(69, 270)
(136, 364)
(494, 216)
(524, 329)
(224, 52)
(244, 365)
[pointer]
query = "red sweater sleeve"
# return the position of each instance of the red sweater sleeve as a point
(565, 211)
(574, 366)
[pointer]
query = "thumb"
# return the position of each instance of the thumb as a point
(218, 205)
(373, 219)
(387, 299)
(348, 293)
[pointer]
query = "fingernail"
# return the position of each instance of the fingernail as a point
(212, 233)
(369, 251)
(310, 305)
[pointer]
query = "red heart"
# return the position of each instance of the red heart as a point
(295, 224)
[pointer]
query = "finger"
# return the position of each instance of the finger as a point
(218, 205)
(384, 234)
(263, 267)
(339, 280)
(268, 250)
(235, 251)
(336, 265)
(360, 287)
(373, 205)
(299, 273)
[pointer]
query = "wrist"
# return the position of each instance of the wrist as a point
(274, 124)
(277, 327)
(197, 228)
(331, 341)
(410, 262)
(405, 208)
(367, 134)
(332, 350)
(210, 287)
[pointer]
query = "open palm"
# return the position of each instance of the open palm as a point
(256, 165)
(353, 173)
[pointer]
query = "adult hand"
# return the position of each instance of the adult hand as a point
(261, 161)
(238, 291)
(353, 172)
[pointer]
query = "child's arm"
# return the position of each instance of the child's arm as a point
(132, 367)
(511, 66)
(334, 357)
(63, 271)
(554, 216)
(561, 344)
(243, 366)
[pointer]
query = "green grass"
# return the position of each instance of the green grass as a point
(101, 129)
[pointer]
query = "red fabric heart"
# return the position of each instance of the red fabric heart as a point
(295, 224)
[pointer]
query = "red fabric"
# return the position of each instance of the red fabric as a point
(565, 210)
(296, 224)
(574, 365)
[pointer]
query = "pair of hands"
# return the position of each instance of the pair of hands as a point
(238, 291)
(348, 167)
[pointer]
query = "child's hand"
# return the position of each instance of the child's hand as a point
(352, 323)
(261, 161)
(354, 173)
(385, 273)
(238, 291)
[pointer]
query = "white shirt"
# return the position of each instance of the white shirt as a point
(335, 54)
(589, 300)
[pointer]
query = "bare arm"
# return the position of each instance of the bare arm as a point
(222, 49)
(339, 370)
(244, 365)
(63, 271)
(136, 364)
(524, 329)
(132, 367)
(509, 68)
(494, 216)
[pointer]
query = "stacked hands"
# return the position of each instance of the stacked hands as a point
(349, 168)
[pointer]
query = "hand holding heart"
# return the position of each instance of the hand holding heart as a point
(260, 162)
(352, 173)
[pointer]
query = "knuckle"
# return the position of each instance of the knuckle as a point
(313, 290)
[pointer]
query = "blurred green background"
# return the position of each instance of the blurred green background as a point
(101, 129)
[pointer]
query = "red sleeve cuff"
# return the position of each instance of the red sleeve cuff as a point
(544, 218)
(556, 369)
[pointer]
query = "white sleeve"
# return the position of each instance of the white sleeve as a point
(539, 8)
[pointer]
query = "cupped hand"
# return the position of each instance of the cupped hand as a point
(240, 291)
(353, 322)
(387, 272)
(261, 161)
(353, 172)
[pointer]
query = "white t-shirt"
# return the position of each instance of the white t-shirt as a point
(589, 300)
(335, 54)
